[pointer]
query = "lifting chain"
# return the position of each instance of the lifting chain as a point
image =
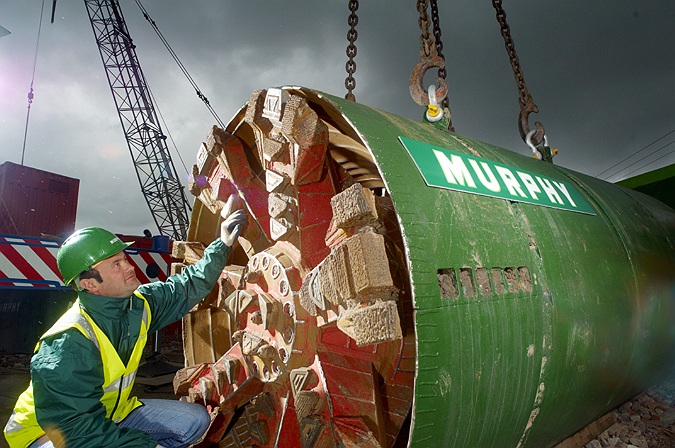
(426, 47)
(352, 35)
(527, 105)
(439, 44)
(430, 56)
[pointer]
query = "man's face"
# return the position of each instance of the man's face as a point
(119, 278)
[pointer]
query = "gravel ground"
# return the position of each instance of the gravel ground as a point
(646, 421)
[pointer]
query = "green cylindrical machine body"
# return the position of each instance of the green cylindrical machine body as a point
(517, 301)
(524, 364)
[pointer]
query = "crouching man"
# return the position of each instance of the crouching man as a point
(84, 367)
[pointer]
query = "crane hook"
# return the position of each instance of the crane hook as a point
(537, 138)
(416, 80)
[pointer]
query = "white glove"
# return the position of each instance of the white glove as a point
(234, 221)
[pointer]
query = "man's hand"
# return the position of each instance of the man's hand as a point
(234, 220)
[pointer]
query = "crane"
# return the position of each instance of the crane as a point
(155, 170)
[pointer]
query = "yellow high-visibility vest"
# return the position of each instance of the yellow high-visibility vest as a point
(22, 429)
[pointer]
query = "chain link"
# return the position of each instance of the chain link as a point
(527, 105)
(431, 55)
(426, 46)
(352, 35)
(511, 50)
(439, 44)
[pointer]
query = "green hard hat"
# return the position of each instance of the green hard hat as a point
(85, 248)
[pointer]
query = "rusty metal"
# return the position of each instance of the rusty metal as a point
(435, 21)
(426, 44)
(525, 101)
(352, 35)
(429, 57)
(416, 80)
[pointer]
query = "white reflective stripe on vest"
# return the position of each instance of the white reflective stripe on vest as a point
(86, 326)
(12, 426)
(73, 317)
(125, 381)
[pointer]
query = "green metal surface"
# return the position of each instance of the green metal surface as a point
(577, 317)
(659, 184)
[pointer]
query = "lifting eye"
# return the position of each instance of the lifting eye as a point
(416, 81)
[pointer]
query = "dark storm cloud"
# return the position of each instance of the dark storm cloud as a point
(601, 73)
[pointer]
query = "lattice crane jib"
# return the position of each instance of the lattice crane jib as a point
(156, 172)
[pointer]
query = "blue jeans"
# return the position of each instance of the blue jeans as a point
(172, 423)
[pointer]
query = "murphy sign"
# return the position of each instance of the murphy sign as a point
(444, 168)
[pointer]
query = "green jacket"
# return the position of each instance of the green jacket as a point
(67, 372)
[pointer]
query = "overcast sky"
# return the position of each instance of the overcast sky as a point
(601, 72)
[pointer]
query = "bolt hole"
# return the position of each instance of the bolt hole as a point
(288, 309)
(276, 270)
(266, 373)
(283, 354)
(265, 262)
(254, 263)
(284, 288)
(275, 368)
(287, 334)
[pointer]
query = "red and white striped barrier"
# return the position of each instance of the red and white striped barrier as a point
(27, 262)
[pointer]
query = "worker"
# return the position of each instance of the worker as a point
(83, 369)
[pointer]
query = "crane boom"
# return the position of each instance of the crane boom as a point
(156, 172)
